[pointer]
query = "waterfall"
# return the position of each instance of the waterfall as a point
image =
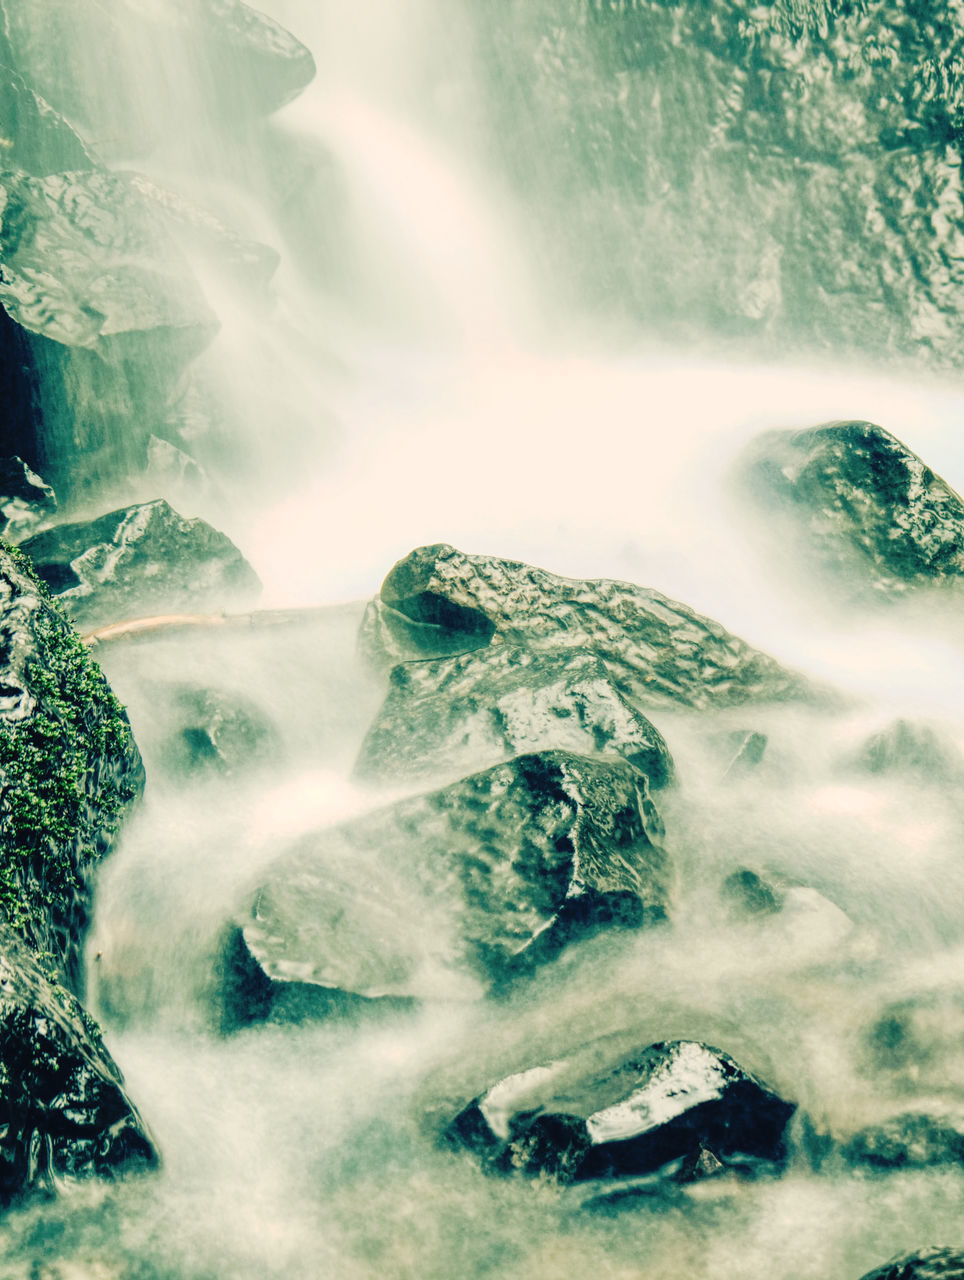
(529, 301)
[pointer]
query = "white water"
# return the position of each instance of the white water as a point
(437, 400)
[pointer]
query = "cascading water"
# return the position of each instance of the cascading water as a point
(418, 376)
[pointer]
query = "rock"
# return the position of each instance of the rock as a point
(216, 732)
(35, 137)
(926, 1264)
(66, 1115)
(140, 559)
(745, 749)
(234, 62)
(446, 717)
(914, 749)
(25, 500)
(100, 316)
(658, 652)
(915, 1041)
(911, 1140)
(675, 1106)
(451, 893)
(872, 514)
(69, 770)
(749, 894)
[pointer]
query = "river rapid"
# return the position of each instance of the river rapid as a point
(415, 377)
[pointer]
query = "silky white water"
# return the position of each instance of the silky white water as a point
(434, 393)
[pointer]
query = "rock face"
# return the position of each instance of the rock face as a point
(36, 138)
(143, 558)
(100, 316)
(65, 1114)
(669, 1107)
(658, 652)
(446, 717)
(926, 1264)
(911, 1140)
(68, 770)
(242, 62)
(25, 500)
(871, 512)
(448, 894)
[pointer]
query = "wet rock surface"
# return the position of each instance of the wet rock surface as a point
(215, 732)
(871, 513)
(926, 1264)
(25, 500)
(100, 316)
(69, 770)
(144, 558)
(911, 1140)
(36, 138)
(65, 1114)
(451, 893)
(657, 651)
(679, 1106)
(450, 716)
(916, 750)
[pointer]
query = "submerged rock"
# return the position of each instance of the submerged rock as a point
(657, 651)
(678, 1106)
(916, 1042)
(915, 749)
(452, 715)
(871, 512)
(911, 1140)
(448, 894)
(142, 558)
(926, 1264)
(65, 1114)
(216, 732)
(746, 749)
(68, 770)
(25, 500)
(100, 315)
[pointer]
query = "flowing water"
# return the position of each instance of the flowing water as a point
(415, 377)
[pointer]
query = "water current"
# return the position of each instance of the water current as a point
(433, 388)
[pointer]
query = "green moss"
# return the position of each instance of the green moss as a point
(65, 775)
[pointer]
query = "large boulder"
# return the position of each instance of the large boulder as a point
(69, 770)
(679, 1106)
(657, 651)
(65, 1114)
(871, 513)
(449, 894)
(446, 717)
(100, 316)
(106, 67)
(145, 558)
(925, 1264)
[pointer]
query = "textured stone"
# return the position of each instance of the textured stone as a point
(68, 770)
(25, 500)
(64, 1115)
(34, 136)
(914, 749)
(871, 513)
(675, 1106)
(925, 1264)
(215, 732)
(454, 892)
(140, 559)
(657, 651)
(101, 314)
(911, 1140)
(446, 717)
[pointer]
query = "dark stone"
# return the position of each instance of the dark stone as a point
(746, 749)
(215, 731)
(68, 770)
(140, 559)
(658, 652)
(461, 890)
(918, 750)
(679, 1106)
(235, 64)
(452, 715)
(25, 500)
(749, 894)
(911, 1140)
(100, 316)
(64, 1114)
(925, 1264)
(871, 513)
